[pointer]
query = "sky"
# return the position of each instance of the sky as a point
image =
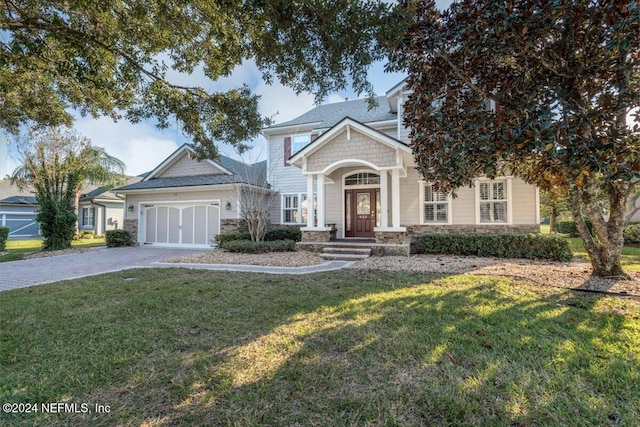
(142, 146)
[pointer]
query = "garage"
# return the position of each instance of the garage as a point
(188, 225)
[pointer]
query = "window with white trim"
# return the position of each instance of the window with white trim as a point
(493, 201)
(298, 142)
(88, 217)
(294, 208)
(290, 208)
(436, 205)
(304, 208)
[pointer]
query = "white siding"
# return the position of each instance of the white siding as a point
(284, 179)
(524, 202)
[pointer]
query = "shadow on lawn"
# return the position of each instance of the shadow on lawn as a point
(344, 348)
(430, 355)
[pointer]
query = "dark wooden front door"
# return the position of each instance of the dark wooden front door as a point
(360, 212)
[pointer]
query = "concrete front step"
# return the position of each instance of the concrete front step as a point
(345, 253)
(343, 257)
(346, 250)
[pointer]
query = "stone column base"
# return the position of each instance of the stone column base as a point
(391, 237)
(316, 235)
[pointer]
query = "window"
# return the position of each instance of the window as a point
(294, 208)
(362, 178)
(290, 212)
(435, 205)
(493, 201)
(305, 206)
(87, 216)
(298, 142)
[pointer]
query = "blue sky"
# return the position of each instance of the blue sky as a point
(142, 146)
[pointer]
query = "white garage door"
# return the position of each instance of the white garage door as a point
(181, 225)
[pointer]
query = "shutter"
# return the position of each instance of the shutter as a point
(287, 150)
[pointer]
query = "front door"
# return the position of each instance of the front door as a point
(360, 212)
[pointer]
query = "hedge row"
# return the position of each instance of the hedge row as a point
(531, 246)
(632, 233)
(249, 247)
(274, 234)
(4, 235)
(569, 227)
(118, 238)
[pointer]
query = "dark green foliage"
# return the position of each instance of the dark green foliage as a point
(4, 235)
(531, 246)
(118, 238)
(632, 233)
(113, 59)
(250, 247)
(283, 233)
(57, 220)
(569, 227)
(222, 238)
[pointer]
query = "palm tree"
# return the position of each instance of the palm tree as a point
(57, 162)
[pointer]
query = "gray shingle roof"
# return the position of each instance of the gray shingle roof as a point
(242, 174)
(183, 181)
(329, 114)
(20, 200)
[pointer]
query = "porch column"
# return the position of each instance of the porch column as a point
(321, 207)
(310, 215)
(384, 200)
(395, 197)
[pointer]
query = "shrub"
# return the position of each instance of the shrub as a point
(4, 235)
(118, 238)
(283, 233)
(632, 233)
(250, 247)
(569, 227)
(531, 246)
(88, 234)
(222, 238)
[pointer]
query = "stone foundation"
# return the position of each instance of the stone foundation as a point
(131, 225)
(316, 235)
(391, 237)
(233, 226)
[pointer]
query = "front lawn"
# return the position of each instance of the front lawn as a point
(17, 249)
(185, 347)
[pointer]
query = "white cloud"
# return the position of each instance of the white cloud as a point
(141, 146)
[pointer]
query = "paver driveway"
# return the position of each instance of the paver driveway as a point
(20, 274)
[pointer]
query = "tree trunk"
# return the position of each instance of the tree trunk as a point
(552, 218)
(605, 245)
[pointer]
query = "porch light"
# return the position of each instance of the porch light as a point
(130, 207)
(228, 206)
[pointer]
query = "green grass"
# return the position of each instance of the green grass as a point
(17, 249)
(630, 254)
(185, 347)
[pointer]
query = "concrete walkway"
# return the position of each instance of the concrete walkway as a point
(38, 271)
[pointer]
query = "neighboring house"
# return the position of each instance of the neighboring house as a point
(185, 202)
(18, 210)
(353, 162)
(100, 210)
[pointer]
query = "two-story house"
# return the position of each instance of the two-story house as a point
(351, 164)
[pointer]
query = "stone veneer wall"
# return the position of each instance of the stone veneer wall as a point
(233, 226)
(316, 236)
(131, 225)
(415, 231)
(391, 237)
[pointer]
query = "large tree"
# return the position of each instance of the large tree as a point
(112, 57)
(56, 164)
(565, 76)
